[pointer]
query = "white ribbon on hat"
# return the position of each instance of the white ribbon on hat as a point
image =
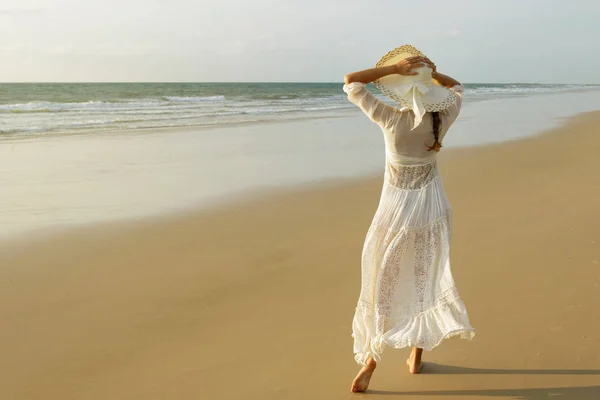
(418, 89)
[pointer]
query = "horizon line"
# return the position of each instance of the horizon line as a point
(282, 82)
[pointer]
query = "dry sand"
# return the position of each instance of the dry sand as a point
(255, 301)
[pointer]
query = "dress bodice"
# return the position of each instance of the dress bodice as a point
(403, 145)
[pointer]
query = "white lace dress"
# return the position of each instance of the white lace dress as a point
(408, 296)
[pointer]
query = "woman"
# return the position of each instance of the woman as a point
(408, 297)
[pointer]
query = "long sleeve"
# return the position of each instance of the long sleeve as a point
(375, 109)
(450, 114)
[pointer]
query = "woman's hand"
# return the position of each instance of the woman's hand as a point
(406, 66)
(430, 64)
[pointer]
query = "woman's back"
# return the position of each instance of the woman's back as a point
(403, 145)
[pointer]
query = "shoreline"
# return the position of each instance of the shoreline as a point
(342, 112)
(166, 130)
(254, 195)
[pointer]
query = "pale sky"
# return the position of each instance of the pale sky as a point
(501, 41)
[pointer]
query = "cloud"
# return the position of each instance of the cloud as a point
(450, 33)
(70, 49)
(20, 11)
(103, 50)
(453, 33)
(13, 47)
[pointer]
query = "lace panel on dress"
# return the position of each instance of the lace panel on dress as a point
(410, 177)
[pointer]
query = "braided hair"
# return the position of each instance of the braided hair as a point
(436, 146)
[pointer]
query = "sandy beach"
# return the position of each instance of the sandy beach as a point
(254, 300)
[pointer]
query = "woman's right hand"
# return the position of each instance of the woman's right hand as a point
(405, 67)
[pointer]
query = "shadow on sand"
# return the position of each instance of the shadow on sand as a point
(566, 393)
(441, 369)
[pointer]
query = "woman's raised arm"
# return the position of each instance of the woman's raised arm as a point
(445, 80)
(403, 67)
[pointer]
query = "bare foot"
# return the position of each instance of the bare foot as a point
(414, 361)
(361, 382)
(413, 368)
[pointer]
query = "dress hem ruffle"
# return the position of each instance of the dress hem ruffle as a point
(424, 323)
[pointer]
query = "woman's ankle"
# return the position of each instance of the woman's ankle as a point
(371, 364)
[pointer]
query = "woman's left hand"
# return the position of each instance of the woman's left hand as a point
(430, 64)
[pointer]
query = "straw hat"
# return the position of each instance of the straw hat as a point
(420, 93)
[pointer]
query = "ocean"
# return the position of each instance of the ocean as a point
(36, 109)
